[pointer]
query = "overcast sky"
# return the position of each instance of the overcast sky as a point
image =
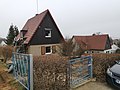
(73, 17)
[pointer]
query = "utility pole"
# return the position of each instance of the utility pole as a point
(37, 5)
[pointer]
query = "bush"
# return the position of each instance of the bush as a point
(50, 73)
(118, 51)
(6, 52)
(101, 63)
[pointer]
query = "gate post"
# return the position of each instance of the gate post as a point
(91, 67)
(23, 69)
(30, 71)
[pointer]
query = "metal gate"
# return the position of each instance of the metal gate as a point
(80, 71)
(23, 69)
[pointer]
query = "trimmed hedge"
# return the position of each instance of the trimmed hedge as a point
(100, 64)
(50, 73)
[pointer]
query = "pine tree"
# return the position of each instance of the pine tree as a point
(13, 32)
(16, 31)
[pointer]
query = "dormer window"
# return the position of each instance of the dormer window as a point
(47, 32)
(22, 33)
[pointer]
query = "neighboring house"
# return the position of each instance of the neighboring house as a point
(40, 35)
(2, 42)
(113, 49)
(116, 41)
(92, 44)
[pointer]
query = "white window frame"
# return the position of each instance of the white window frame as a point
(48, 29)
(50, 50)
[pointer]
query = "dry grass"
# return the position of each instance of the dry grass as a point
(7, 81)
(6, 52)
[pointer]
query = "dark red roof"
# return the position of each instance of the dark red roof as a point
(95, 42)
(32, 24)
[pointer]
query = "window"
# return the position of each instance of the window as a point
(47, 32)
(48, 50)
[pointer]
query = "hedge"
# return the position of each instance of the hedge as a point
(50, 73)
(100, 64)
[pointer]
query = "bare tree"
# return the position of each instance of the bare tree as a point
(118, 44)
(67, 48)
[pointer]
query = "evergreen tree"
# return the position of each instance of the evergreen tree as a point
(16, 31)
(13, 32)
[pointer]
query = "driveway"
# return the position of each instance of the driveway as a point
(94, 86)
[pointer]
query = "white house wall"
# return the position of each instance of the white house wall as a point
(36, 50)
(113, 50)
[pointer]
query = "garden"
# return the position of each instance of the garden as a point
(50, 72)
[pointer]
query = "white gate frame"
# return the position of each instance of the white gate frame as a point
(23, 69)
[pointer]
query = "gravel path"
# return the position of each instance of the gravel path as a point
(95, 86)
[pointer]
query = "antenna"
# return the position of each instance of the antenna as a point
(37, 5)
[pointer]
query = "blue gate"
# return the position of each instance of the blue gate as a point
(23, 69)
(80, 71)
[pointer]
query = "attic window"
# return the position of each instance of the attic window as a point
(22, 33)
(47, 32)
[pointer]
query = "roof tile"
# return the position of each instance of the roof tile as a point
(96, 42)
(32, 25)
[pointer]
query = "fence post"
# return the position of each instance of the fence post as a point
(91, 69)
(30, 71)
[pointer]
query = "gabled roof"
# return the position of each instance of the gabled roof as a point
(32, 24)
(114, 47)
(95, 42)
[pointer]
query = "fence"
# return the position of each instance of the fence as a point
(80, 71)
(51, 73)
(23, 69)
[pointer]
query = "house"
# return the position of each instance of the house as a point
(40, 35)
(116, 41)
(2, 42)
(112, 50)
(93, 43)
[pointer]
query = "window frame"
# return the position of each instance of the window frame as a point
(49, 34)
(50, 50)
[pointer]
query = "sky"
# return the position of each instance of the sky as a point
(73, 17)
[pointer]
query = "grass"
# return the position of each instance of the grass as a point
(7, 80)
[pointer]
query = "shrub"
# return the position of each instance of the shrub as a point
(6, 52)
(0, 51)
(118, 51)
(101, 63)
(50, 73)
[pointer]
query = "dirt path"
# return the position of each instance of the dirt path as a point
(95, 86)
(7, 82)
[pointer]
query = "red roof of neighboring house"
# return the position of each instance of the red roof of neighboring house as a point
(32, 24)
(95, 42)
